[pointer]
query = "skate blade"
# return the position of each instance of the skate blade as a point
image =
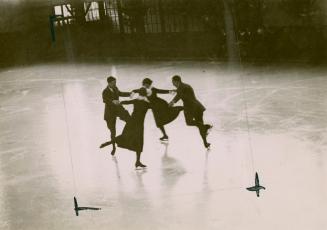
(140, 168)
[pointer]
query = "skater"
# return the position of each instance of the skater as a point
(193, 109)
(113, 109)
(132, 137)
(163, 114)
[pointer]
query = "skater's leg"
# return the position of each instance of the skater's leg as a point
(138, 157)
(112, 127)
(138, 161)
(162, 129)
(106, 144)
(192, 119)
(189, 118)
(196, 119)
(165, 136)
(202, 128)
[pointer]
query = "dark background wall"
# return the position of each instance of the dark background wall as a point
(265, 30)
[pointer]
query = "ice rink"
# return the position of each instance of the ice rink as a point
(51, 122)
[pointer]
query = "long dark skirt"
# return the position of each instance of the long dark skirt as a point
(131, 137)
(163, 114)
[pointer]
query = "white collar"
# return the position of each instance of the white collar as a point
(149, 91)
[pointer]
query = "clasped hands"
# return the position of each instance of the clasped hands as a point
(117, 102)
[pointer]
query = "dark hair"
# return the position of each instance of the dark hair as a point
(147, 81)
(110, 79)
(142, 92)
(177, 78)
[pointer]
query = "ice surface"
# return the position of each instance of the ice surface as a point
(48, 112)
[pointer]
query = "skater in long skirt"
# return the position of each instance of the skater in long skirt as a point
(132, 137)
(163, 114)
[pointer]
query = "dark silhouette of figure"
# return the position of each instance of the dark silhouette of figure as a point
(132, 137)
(163, 114)
(193, 109)
(113, 109)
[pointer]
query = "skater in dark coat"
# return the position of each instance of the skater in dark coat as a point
(193, 109)
(163, 114)
(113, 109)
(132, 137)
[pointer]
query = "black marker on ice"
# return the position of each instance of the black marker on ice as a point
(257, 186)
(77, 209)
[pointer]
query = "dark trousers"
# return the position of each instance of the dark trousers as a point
(111, 121)
(196, 119)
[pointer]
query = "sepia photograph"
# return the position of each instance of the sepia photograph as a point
(163, 115)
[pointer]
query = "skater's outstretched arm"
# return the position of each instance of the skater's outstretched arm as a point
(124, 94)
(175, 100)
(161, 91)
(127, 102)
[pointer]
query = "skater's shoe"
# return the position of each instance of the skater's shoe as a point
(113, 151)
(139, 164)
(207, 145)
(164, 138)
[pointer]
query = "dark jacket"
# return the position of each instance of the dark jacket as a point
(108, 96)
(191, 104)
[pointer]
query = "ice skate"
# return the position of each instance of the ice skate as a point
(164, 138)
(139, 165)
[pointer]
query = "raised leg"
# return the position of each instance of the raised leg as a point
(197, 120)
(106, 144)
(193, 119)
